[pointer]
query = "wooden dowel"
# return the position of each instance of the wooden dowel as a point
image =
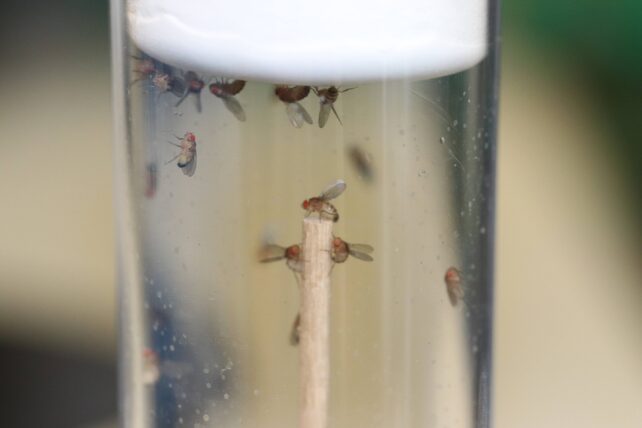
(314, 346)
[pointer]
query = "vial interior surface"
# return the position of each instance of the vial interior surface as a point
(215, 179)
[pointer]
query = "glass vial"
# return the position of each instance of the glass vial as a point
(237, 122)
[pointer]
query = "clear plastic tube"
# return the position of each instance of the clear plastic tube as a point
(211, 178)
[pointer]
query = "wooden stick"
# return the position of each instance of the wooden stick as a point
(314, 347)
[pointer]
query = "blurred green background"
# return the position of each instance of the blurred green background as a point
(569, 283)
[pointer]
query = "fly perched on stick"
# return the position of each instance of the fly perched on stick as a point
(320, 203)
(341, 250)
(292, 255)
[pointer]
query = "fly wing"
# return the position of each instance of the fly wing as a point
(271, 253)
(182, 98)
(199, 105)
(298, 114)
(334, 190)
(178, 87)
(336, 114)
(294, 114)
(190, 168)
(324, 113)
(235, 107)
(455, 293)
(359, 255)
(294, 333)
(304, 113)
(362, 248)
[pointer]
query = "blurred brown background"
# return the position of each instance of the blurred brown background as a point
(568, 330)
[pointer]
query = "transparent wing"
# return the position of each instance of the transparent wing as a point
(294, 332)
(362, 248)
(182, 98)
(336, 114)
(190, 168)
(199, 105)
(306, 116)
(452, 296)
(324, 113)
(294, 114)
(271, 253)
(234, 106)
(178, 87)
(361, 256)
(334, 190)
(455, 292)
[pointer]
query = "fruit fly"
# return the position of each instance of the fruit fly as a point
(327, 98)
(164, 82)
(226, 91)
(362, 162)
(294, 260)
(151, 180)
(291, 95)
(151, 369)
(193, 85)
(341, 249)
(453, 285)
(320, 203)
(295, 332)
(144, 68)
(154, 367)
(292, 254)
(187, 156)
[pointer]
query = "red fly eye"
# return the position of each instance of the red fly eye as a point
(190, 137)
(295, 250)
(452, 275)
(305, 204)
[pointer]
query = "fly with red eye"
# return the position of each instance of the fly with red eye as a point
(320, 204)
(226, 91)
(187, 156)
(452, 278)
(193, 85)
(341, 250)
(271, 253)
